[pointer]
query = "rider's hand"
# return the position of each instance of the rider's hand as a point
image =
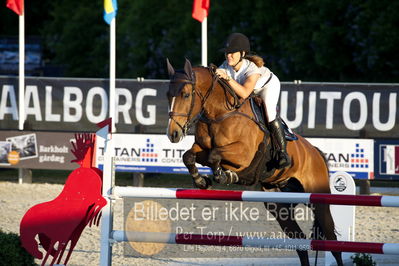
(222, 74)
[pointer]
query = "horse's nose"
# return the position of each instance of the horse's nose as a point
(175, 136)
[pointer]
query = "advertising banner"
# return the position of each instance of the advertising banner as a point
(155, 153)
(354, 156)
(339, 110)
(57, 104)
(148, 153)
(386, 159)
(335, 110)
(36, 150)
(219, 220)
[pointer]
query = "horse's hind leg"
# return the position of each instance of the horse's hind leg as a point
(190, 157)
(324, 227)
(284, 214)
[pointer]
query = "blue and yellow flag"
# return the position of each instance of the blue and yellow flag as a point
(110, 9)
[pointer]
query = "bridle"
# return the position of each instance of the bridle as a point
(183, 78)
(190, 79)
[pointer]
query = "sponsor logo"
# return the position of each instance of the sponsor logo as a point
(147, 153)
(340, 183)
(358, 159)
(389, 159)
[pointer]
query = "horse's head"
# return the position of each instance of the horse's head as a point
(185, 98)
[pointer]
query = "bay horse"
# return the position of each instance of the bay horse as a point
(231, 141)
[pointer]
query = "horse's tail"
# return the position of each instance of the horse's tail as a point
(324, 159)
(317, 231)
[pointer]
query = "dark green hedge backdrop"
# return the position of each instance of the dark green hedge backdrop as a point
(312, 40)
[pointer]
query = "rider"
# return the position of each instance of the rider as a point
(246, 73)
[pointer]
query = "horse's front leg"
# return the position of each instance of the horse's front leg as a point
(190, 157)
(233, 155)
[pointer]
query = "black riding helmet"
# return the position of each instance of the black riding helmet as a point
(236, 42)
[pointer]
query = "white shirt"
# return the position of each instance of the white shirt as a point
(265, 75)
(247, 69)
(270, 92)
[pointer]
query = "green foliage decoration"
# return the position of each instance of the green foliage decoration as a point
(363, 259)
(11, 251)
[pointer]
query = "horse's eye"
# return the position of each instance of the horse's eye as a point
(186, 95)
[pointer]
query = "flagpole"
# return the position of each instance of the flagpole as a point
(21, 79)
(204, 42)
(112, 65)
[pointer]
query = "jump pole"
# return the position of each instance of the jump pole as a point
(255, 196)
(239, 241)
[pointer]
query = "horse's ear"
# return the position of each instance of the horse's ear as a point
(171, 70)
(188, 69)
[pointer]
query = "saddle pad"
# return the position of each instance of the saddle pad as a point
(289, 134)
(259, 113)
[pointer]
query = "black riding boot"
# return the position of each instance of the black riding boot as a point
(277, 131)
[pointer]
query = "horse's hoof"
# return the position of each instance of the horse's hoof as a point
(220, 176)
(231, 176)
(202, 182)
(225, 177)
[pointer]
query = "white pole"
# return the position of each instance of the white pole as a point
(204, 42)
(21, 80)
(112, 65)
(104, 137)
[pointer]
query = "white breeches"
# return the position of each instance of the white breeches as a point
(270, 94)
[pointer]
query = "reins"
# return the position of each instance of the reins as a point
(227, 89)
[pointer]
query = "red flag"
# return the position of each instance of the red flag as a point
(200, 9)
(16, 5)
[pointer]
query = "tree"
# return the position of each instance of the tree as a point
(77, 37)
(314, 40)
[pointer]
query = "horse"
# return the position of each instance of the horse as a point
(234, 144)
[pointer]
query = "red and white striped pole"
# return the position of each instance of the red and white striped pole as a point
(240, 241)
(256, 196)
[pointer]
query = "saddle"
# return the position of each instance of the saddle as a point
(259, 109)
